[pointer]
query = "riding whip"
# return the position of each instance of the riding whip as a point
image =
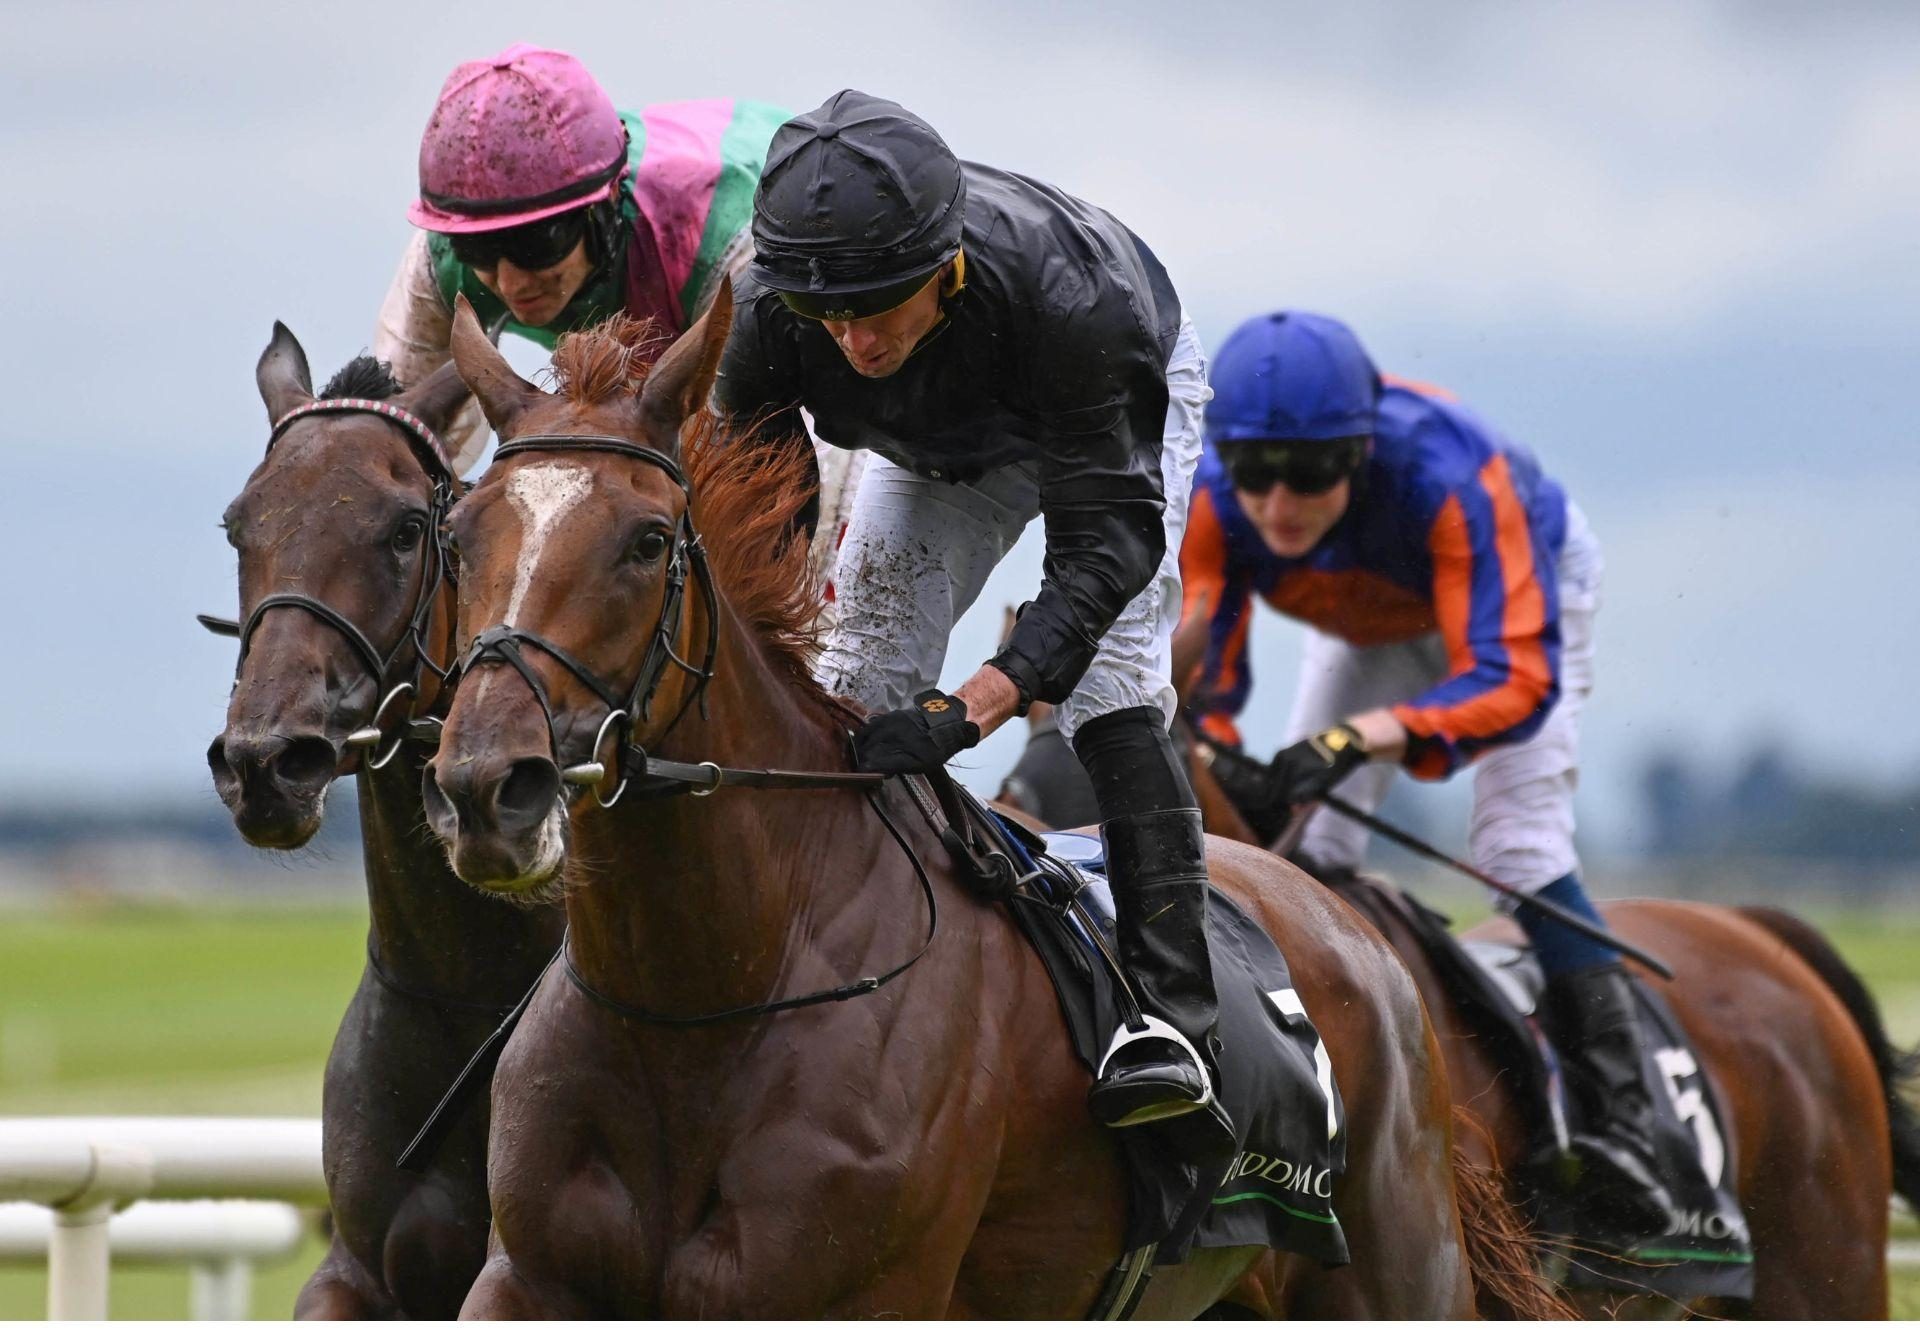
(1547, 908)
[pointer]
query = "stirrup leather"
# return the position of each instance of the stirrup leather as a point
(1153, 1028)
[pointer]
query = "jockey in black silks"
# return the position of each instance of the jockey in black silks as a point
(1005, 352)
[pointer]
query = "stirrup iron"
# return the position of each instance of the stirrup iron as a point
(1153, 1028)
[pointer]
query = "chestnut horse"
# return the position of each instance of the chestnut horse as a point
(342, 514)
(1804, 1071)
(708, 1110)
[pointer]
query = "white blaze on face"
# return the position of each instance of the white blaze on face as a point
(542, 495)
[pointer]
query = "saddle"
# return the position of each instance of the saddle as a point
(1192, 1182)
(1706, 1251)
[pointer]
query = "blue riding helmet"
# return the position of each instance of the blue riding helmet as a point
(1291, 375)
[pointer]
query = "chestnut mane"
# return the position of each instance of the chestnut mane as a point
(748, 491)
(608, 360)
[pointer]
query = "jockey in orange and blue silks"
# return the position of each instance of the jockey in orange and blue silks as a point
(1452, 529)
(1449, 586)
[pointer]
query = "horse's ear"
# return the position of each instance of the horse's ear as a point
(680, 381)
(282, 374)
(438, 398)
(503, 393)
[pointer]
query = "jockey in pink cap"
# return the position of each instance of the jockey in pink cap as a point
(543, 203)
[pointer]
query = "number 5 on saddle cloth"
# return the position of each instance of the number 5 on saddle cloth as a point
(1706, 1251)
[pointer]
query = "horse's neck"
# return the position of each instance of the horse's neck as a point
(431, 931)
(681, 905)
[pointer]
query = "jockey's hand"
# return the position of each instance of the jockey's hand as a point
(1306, 771)
(917, 738)
(1246, 781)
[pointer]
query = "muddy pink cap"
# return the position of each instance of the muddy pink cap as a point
(516, 137)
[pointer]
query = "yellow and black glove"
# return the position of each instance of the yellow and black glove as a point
(1306, 771)
(917, 738)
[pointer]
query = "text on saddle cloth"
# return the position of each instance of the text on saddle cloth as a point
(1271, 1182)
(1706, 1251)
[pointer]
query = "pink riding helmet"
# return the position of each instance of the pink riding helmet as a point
(514, 138)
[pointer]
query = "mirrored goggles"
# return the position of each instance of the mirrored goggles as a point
(531, 246)
(1304, 466)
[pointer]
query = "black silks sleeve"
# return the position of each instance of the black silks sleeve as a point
(1102, 506)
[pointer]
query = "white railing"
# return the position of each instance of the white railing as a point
(141, 1187)
(86, 1169)
(218, 1242)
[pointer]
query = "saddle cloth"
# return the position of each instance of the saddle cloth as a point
(1268, 1183)
(1706, 1251)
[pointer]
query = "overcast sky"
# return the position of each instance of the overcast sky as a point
(1675, 248)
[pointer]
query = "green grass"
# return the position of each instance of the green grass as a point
(171, 1011)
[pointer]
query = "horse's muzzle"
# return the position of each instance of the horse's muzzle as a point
(504, 824)
(274, 785)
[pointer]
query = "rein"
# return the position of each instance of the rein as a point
(439, 569)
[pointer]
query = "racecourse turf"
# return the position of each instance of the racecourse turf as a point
(118, 1010)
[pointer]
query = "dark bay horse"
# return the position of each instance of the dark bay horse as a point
(342, 514)
(1791, 1039)
(915, 1144)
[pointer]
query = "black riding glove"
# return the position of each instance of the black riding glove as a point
(917, 738)
(1306, 771)
(1246, 781)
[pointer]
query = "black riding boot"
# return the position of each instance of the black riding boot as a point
(1157, 864)
(1156, 860)
(1598, 1020)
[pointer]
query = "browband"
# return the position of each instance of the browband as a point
(400, 416)
(592, 443)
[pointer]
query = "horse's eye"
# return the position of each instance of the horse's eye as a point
(407, 535)
(650, 547)
(232, 530)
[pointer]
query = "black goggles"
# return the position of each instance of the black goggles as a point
(1304, 466)
(531, 246)
(845, 306)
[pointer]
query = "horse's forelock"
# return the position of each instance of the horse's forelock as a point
(607, 361)
(363, 376)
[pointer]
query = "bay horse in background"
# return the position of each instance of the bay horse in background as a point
(347, 605)
(1810, 1083)
(699, 1114)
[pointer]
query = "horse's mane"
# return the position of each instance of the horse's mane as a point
(748, 492)
(363, 376)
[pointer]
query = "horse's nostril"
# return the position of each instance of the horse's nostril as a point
(224, 777)
(433, 800)
(306, 761)
(527, 794)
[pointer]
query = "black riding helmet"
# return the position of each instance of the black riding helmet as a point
(860, 203)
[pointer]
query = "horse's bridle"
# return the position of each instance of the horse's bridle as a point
(438, 570)
(686, 557)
